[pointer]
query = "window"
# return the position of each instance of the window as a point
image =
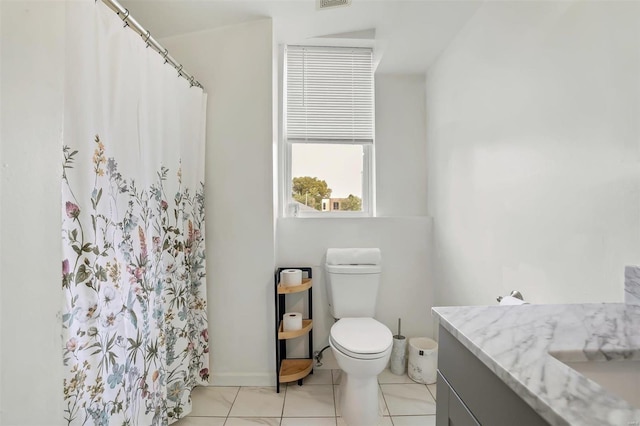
(328, 130)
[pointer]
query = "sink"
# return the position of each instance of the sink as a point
(620, 377)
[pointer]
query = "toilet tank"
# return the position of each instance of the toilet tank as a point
(352, 290)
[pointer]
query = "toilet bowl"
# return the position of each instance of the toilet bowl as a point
(362, 348)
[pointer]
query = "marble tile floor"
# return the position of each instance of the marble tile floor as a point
(316, 403)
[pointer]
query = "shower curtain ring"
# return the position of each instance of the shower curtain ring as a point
(164, 55)
(191, 84)
(179, 70)
(125, 17)
(146, 40)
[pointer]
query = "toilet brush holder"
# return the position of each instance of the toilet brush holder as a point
(399, 355)
(399, 352)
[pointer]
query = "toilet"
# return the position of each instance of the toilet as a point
(360, 344)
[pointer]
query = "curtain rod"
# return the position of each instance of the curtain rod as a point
(129, 21)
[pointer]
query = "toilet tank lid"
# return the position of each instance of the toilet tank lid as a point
(353, 269)
(353, 256)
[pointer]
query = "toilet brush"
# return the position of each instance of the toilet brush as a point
(398, 352)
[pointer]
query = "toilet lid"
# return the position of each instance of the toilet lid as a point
(359, 337)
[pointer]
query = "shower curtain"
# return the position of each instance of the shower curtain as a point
(135, 340)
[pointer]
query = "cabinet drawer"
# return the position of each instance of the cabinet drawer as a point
(459, 414)
(451, 410)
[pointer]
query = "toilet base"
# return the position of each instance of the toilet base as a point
(359, 400)
(359, 388)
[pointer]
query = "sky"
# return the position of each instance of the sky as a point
(339, 165)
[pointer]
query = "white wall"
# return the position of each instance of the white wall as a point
(533, 151)
(401, 159)
(31, 105)
(235, 65)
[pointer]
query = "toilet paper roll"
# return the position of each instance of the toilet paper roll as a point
(510, 300)
(292, 321)
(291, 277)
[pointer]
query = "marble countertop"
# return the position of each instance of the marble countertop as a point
(516, 343)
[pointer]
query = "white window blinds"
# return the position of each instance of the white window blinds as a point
(329, 94)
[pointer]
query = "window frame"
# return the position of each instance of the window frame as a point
(286, 209)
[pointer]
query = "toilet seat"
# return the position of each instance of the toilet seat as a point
(361, 338)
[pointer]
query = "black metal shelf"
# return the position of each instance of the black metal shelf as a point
(288, 369)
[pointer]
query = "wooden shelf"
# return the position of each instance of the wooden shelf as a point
(306, 285)
(295, 369)
(306, 326)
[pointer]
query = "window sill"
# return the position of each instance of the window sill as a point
(354, 219)
(329, 215)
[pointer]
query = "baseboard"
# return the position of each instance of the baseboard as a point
(242, 379)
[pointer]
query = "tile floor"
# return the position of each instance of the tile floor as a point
(316, 403)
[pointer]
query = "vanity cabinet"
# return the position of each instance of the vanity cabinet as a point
(469, 394)
(293, 369)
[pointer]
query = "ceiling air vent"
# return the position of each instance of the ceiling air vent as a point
(330, 4)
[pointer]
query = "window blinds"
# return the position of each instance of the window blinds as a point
(329, 94)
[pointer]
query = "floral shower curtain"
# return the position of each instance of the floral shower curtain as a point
(135, 339)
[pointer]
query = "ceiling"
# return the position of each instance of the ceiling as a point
(409, 34)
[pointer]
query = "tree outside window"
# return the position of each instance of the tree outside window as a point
(311, 192)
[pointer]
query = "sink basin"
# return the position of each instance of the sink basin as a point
(620, 377)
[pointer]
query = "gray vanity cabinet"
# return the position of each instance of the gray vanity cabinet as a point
(469, 394)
